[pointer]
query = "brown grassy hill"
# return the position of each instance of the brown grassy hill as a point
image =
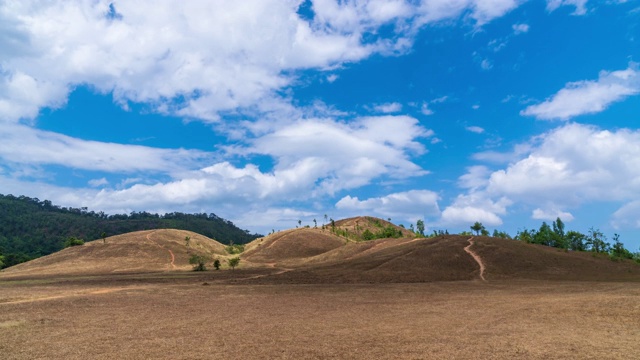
(444, 259)
(291, 244)
(141, 251)
(509, 259)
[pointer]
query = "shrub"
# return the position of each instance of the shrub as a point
(216, 264)
(233, 262)
(199, 262)
(73, 241)
(234, 249)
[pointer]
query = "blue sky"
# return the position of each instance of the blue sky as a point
(268, 111)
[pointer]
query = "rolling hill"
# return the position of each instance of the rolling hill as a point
(140, 251)
(309, 255)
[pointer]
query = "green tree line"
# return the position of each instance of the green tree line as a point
(30, 228)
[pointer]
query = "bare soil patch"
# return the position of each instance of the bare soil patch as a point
(166, 316)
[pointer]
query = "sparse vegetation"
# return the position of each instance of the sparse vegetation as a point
(187, 241)
(104, 237)
(73, 241)
(234, 249)
(30, 228)
(233, 262)
(199, 262)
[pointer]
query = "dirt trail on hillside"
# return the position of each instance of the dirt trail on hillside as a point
(173, 257)
(476, 257)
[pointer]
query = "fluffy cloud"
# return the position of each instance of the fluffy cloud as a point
(410, 205)
(313, 158)
(566, 167)
(196, 58)
(473, 207)
(551, 215)
(588, 96)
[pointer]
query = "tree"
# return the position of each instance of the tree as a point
(187, 240)
(411, 228)
(233, 262)
(544, 236)
(1, 261)
(73, 241)
(104, 237)
(299, 222)
(325, 218)
(315, 226)
(420, 227)
(576, 241)
(199, 262)
(618, 251)
(477, 227)
(216, 264)
(597, 241)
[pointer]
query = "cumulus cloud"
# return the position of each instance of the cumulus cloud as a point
(566, 167)
(588, 96)
(475, 206)
(197, 59)
(551, 215)
(410, 205)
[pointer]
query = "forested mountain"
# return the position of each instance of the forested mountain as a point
(30, 228)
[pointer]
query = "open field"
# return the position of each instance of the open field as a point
(309, 294)
(176, 316)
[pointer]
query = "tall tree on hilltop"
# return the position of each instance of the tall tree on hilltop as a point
(420, 227)
(477, 227)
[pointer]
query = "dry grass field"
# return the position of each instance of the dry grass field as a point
(384, 299)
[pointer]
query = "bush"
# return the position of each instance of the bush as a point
(199, 262)
(234, 249)
(73, 241)
(233, 262)
(216, 264)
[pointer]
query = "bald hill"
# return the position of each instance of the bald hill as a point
(30, 228)
(332, 255)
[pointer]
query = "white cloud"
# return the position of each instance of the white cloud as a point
(472, 207)
(520, 28)
(332, 78)
(98, 182)
(410, 205)
(580, 5)
(486, 64)
(628, 216)
(567, 167)
(425, 110)
(193, 58)
(551, 215)
(585, 97)
(388, 108)
(475, 129)
(22, 145)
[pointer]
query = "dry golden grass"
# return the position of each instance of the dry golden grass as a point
(166, 316)
(141, 251)
(306, 294)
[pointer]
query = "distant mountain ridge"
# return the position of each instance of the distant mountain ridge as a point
(30, 227)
